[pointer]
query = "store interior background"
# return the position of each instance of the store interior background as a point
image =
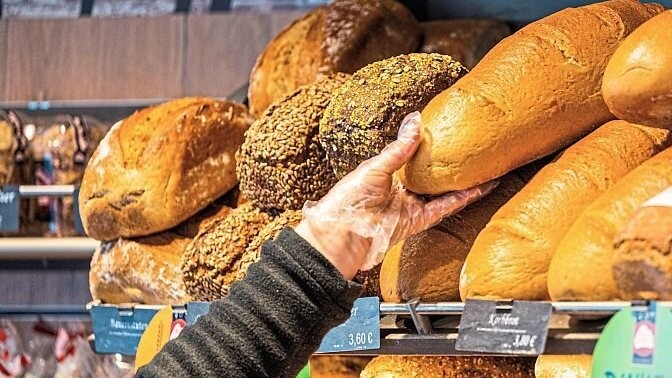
(106, 58)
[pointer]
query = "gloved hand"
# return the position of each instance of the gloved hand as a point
(369, 210)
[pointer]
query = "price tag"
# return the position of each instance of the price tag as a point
(360, 332)
(119, 330)
(195, 310)
(523, 330)
(79, 227)
(635, 343)
(9, 208)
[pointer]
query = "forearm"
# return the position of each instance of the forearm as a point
(271, 321)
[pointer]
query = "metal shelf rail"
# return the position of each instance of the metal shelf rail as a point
(45, 248)
(431, 328)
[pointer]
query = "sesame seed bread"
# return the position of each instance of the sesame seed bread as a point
(637, 84)
(365, 113)
(448, 367)
(510, 257)
(281, 165)
(343, 36)
(160, 166)
(642, 264)
(535, 92)
(581, 268)
(427, 265)
(145, 270)
(214, 259)
(466, 41)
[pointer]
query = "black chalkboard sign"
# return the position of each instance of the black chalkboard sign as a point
(79, 228)
(9, 208)
(522, 330)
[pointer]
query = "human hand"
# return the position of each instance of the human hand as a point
(369, 210)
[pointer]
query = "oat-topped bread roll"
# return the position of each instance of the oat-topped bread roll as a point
(637, 84)
(466, 41)
(145, 270)
(535, 92)
(202, 220)
(642, 264)
(365, 113)
(160, 166)
(343, 36)
(8, 147)
(449, 367)
(213, 259)
(289, 218)
(281, 164)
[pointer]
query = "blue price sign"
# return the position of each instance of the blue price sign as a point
(360, 332)
(119, 330)
(9, 208)
(195, 310)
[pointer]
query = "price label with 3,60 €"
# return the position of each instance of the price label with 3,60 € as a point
(361, 331)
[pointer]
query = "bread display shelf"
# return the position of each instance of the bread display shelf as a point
(73, 248)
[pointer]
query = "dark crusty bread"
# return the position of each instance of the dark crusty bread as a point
(281, 164)
(449, 367)
(145, 270)
(535, 92)
(510, 257)
(328, 366)
(343, 36)
(427, 265)
(581, 268)
(637, 84)
(213, 260)
(160, 166)
(365, 113)
(466, 41)
(563, 366)
(642, 264)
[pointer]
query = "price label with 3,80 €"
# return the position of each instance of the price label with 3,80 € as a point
(523, 330)
(360, 332)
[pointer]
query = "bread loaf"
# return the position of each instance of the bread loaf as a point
(327, 366)
(427, 265)
(343, 36)
(466, 41)
(365, 113)
(213, 260)
(160, 166)
(145, 270)
(642, 265)
(7, 148)
(563, 366)
(581, 268)
(637, 84)
(270, 231)
(281, 164)
(510, 257)
(202, 220)
(448, 367)
(534, 93)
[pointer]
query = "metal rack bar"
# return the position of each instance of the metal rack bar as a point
(456, 308)
(27, 191)
(47, 248)
(76, 310)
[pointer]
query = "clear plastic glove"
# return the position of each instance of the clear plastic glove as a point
(369, 210)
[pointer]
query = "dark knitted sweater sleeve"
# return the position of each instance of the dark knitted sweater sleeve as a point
(271, 321)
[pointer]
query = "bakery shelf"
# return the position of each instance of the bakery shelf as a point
(26, 191)
(73, 248)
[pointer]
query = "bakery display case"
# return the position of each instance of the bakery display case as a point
(168, 200)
